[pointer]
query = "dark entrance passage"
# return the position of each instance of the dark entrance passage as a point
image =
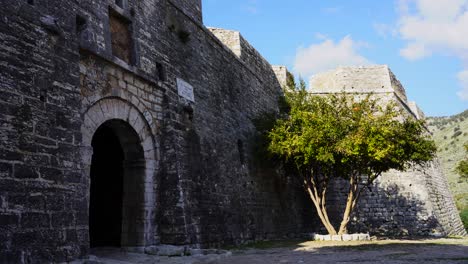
(106, 195)
(120, 205)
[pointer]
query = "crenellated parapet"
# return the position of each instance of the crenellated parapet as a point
(245, 52)
(281, 73)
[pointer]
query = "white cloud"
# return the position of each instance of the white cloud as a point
(435, 27)
(414, 51)
(463, 78)
(385, 30)
(328, 55)
(440, 10)
(439, 26)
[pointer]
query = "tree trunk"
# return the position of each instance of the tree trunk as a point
(353, 196)
(318, 197)
(319, 202)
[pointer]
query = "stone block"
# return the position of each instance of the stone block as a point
(201, 181)
(35, 220)
(25, 172)
(128, 77)
(8, 220)
(347, 237)
(363, 237)
(6, 170)
(166, 250)
(63, 219)
(336, 238)
(11, 256)
(122, 84)
(52, 174)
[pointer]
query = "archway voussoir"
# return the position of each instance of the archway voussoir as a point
(106, 109)
(86, 155)
(148, 117)
(139, 125)
(123, 111)
(150, 159)
(145, 133)
(116, 109)
(96, 115)
(150, 173)
(120, 108)
(148, 144)
(133, 115)
(129, 122)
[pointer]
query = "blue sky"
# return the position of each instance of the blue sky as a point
(425, 42)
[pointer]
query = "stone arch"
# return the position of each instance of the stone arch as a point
(141, 154)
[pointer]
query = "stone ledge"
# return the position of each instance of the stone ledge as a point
(345, 237)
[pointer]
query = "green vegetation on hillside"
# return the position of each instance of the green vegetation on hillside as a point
(450, 135)
(462, 167)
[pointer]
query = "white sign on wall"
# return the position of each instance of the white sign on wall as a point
(185, 90)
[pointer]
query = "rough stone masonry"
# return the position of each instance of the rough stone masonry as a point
(416, 202)
(128, 123)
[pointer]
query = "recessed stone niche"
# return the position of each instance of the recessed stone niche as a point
(122, 43)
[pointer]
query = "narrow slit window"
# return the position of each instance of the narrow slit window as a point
(240, 148)
(80, 24)
(161, 72)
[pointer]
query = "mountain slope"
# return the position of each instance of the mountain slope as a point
(450, 134)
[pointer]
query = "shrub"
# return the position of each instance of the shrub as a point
(456, 134)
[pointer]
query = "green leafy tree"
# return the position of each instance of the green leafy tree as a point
(462, 167)
(337, 136)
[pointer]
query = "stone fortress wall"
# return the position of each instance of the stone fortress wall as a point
(416, 202)
(180, 102)
(180, 99)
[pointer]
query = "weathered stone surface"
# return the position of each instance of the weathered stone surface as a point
(347, 237)
(344, 237)
(167, 250)
(191, 178)
(416, 202)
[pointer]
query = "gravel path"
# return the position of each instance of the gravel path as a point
(388, 251)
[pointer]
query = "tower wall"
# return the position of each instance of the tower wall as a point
(70, 66)
(416, 202)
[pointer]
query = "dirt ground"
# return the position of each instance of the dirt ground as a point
(289, 252)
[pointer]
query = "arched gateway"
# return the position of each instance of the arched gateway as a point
(119, 155)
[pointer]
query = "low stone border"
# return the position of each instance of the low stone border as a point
(345, 237)
(172, 251)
